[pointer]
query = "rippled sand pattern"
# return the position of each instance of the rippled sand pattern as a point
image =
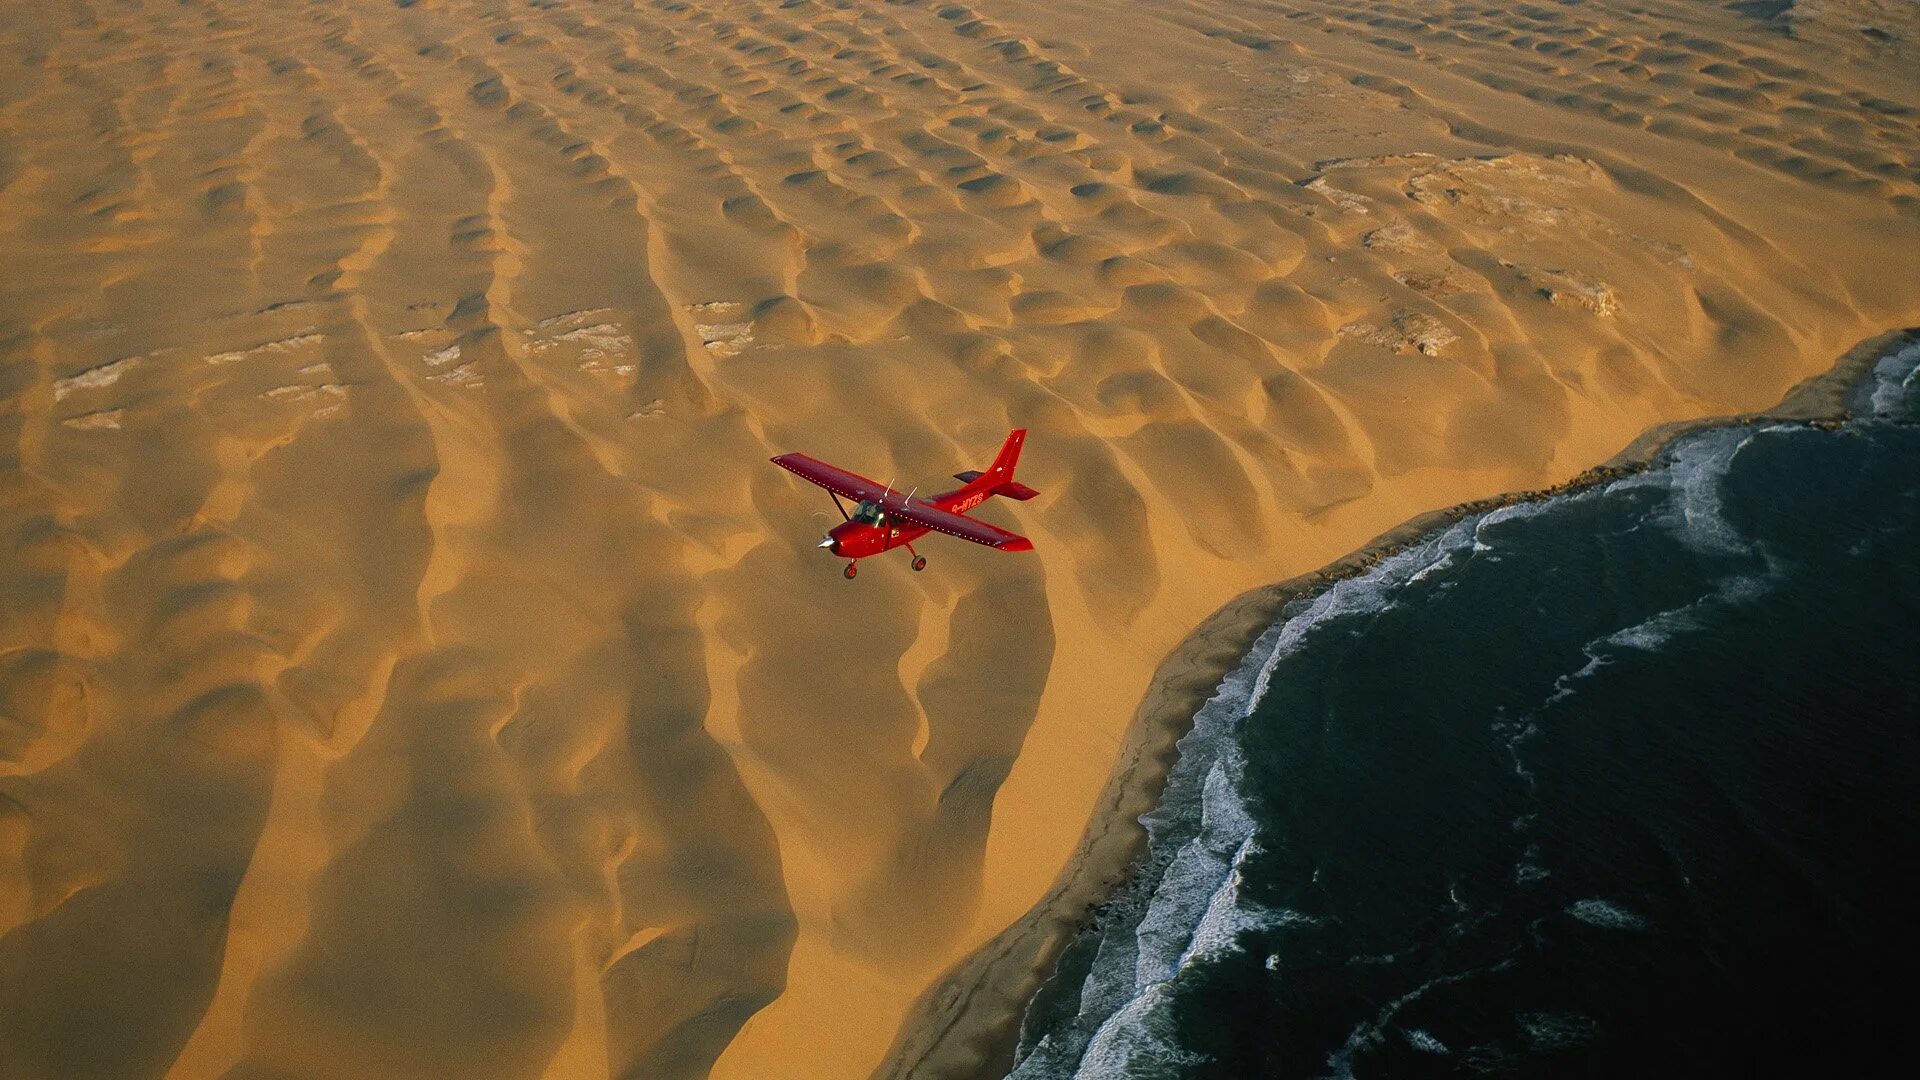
(410, 664)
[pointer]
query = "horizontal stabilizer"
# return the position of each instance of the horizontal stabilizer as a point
(967, 477)
(1013, 489)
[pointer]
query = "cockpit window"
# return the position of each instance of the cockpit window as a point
(868, 511)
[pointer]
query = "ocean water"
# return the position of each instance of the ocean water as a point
(1624, 782)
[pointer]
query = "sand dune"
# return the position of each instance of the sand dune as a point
(409, 662)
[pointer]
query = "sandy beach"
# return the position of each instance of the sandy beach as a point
(410, 663)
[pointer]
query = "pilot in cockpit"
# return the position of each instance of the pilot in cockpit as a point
(868, 512)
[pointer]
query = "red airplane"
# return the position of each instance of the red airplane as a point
(886, 519)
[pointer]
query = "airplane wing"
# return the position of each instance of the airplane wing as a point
(966, 528)
(832, 477)
(918, 511)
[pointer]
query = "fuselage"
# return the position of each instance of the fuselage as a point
(870, 534)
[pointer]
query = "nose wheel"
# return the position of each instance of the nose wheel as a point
(852, 571)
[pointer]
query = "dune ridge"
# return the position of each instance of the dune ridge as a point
(409, 663)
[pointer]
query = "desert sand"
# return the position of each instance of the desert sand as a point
(410, 664)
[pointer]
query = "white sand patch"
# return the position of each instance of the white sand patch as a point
(94, 377)
(303, 392)
(1372, 334)
(1412, 331)
(1571, 287)
(1377, 161)
(725, 339)
(597, 341)
(1512, 190)
(464, 375)
(328, 397)
(1431, 283)
(283, 345)
(1400, 237)
(104, 420)
(598, 344)
(1669, 252)
(722, 327)
(567, 316)
(1345, 200)
(442, 357)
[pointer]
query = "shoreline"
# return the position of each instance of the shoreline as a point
(966, 1025)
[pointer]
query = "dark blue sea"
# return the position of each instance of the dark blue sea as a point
(1624, 782)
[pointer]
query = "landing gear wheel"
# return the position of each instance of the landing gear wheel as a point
(919, 562)
(852, 571)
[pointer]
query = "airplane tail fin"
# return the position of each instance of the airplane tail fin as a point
(998, 479)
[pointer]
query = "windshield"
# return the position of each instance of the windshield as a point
(868, 512)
